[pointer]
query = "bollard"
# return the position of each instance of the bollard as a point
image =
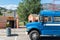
(8, 31)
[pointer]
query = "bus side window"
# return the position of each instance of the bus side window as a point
(47, 19)
(56, 19)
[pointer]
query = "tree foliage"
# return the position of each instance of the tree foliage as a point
(2, 10)
(27, 7)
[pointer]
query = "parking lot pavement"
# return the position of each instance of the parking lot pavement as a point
(17, 34)
(6, 38)
(21, 37)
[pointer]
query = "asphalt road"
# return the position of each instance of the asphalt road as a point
(20, 34)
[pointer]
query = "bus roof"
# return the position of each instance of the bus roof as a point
(49, 13)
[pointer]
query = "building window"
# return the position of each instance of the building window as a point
(56, 19)
(30, 21)
(36, 20)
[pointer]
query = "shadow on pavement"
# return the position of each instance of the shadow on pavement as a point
(13, 35)
(50, 38)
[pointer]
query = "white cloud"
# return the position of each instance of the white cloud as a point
(10, 6)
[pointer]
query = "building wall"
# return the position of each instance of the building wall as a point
(30, 18)
(3, 21)
(33, 18)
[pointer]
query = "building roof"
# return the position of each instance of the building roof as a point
(49, 13)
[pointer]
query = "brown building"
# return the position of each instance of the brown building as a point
(3, 22)
(9, 17)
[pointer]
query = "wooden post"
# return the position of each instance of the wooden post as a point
(17, 23)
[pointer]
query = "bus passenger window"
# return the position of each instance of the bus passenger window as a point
(47, 19)
(56, 19)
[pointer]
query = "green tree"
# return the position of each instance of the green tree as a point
(2, 10)
(0, 13)
(27, 7)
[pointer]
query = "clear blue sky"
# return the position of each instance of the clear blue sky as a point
(50, 1)
(6, 2)
(13, 4)
(9, 4)
(46, 1)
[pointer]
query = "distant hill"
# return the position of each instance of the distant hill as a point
(2, 10)
(50, 6)
(6, 12)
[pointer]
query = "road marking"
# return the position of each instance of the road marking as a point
(26, 33)
(16, 38)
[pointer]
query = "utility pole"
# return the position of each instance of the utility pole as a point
(14, 19)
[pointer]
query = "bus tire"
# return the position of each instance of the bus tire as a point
(34, 35)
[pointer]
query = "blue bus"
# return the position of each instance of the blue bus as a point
(49, 25)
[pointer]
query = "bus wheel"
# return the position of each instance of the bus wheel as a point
(34, 35)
